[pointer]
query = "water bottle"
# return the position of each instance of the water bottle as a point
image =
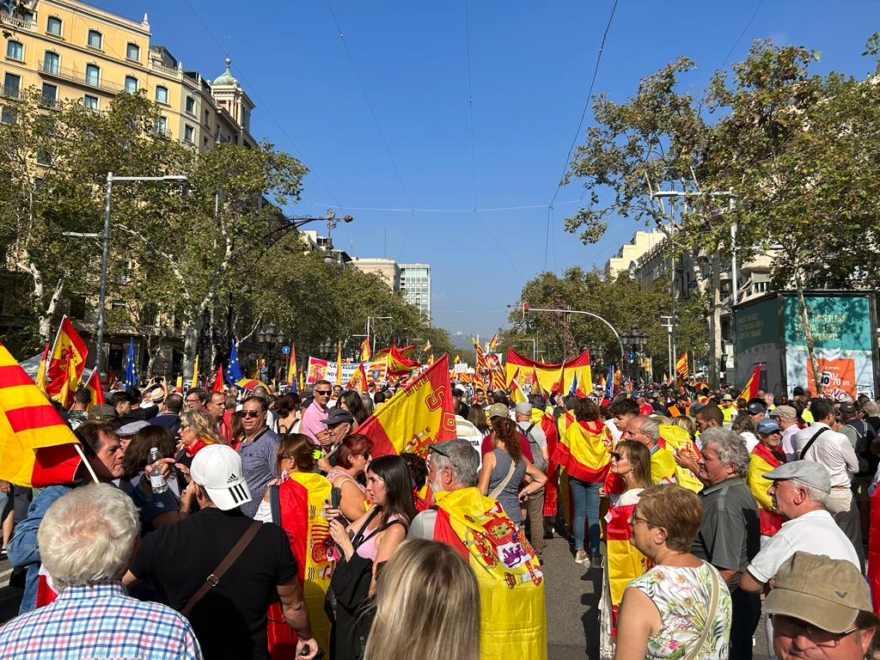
(157, 481)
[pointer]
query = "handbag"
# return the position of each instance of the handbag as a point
(710, 614)
(214, 578)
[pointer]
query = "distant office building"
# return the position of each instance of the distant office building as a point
(387, 269)
(415, 284)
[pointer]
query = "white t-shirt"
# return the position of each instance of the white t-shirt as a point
(814, 532)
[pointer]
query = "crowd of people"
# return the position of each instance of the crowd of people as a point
(267, 529)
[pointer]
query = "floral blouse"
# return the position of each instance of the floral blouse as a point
(683, 596)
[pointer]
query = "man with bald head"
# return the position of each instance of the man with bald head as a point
(645, 430)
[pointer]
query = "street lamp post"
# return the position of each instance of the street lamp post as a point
(105, 252)
(371, 338)
(527, 308)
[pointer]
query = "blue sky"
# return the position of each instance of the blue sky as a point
(383, 118)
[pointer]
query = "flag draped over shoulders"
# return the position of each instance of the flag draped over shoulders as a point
(624, 561)
(761, 461)
(584, 450)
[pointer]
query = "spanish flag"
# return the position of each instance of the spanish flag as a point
(457, 360)
(426, 347)
(67, 343)
(195, 379)
(40, 378)
(761, 461)
(417, 416)
(624, 562)
(338, 363)
(93, 385)
(750, 391)
(68, 389)
(358, 381)
(366, 353)
(217, 385)
(36, 447)
(536, 383)
(584, 451)
(555, 377)
(516, 393)
(291, 370)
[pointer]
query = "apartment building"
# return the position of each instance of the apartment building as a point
(415, 284)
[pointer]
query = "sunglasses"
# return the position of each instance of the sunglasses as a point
(251, 413)
(322, 392)
(434, 449)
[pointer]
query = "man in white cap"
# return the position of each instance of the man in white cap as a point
(230, 620)
(821, 608)
(786, 417)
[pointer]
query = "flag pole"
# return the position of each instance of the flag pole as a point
(85, 460)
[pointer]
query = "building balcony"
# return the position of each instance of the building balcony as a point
(10, 92)
(71, 75)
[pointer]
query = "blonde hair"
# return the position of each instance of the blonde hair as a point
(427, 606)
(202, 424)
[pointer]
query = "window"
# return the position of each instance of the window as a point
(78, 308)
(51, 62)
(8, 115)
(91, 102)
(93, 74)
(131, 84)
(53, 26)
(12, 85)
(14, 50)
(95, 39)
(133, 52)
(188, 132)
(190, 105)
(161, 94)
(207, 118)
(205, 143)
(43, 158)
(50, 95)
(162, 126)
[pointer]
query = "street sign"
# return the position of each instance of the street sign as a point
(631, 356)
(285, 350)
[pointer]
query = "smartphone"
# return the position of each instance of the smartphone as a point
(335, 497)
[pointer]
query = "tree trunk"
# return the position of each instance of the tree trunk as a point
(715, 324)
(808, 334)
(190, 340)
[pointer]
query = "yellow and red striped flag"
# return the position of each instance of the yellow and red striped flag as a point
(28, 422)
(338, 363)
(417, 416)
(40, 378)
(67, 343)
(681, 366)
(750, 391)
(93, 385)
(366, 352)
(493, 342)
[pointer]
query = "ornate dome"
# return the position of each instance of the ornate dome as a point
(226, 78)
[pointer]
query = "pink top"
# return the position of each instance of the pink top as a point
(313, 421)
(367, 549)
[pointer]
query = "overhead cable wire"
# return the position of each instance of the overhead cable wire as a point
(252, 92)
(498, 245)
(581, 121)
(467, 31)
(369, 104)
(436, 210)
(742, 34)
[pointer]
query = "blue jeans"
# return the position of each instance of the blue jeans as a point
(586, 504)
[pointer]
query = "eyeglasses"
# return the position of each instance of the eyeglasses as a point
(192, 400)
(792, 627)
(436, 450)
(615, 456)
(251, 413)
(322, 392)
(634, 520)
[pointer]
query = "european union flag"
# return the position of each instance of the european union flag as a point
(233, 367)
(130, 372)
(609, 386)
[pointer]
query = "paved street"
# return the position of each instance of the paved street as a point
(572, 603)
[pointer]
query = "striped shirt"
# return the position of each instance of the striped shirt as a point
(99, 622)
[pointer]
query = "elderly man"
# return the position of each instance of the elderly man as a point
(786, 417)
(88, 538)
(102, 448)
(647, 431)
(338, 425)
(259, 451)
(799, 491)
(230, 620)
(819, 443)
(313, 418)
(512, 612)
(821, 608)
(537, 441)
(729, 534)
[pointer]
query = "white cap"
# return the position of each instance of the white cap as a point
(217, 469)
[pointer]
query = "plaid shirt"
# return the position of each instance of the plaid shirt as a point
(99, 622)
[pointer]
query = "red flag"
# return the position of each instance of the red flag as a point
(217, 386)
(67, 342)
(416, 418)
(93, 385)
(750, 391)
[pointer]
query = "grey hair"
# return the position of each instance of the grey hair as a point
(88, 536)
(730, 447)
(460, 457)
(650, 428)
(814, 494)
(871, 409)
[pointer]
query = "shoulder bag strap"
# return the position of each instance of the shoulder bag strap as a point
(811, 441)
(214, 578)
(710, 615)
(500, 487)
(361, 536)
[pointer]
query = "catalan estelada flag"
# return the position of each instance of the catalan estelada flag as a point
(750, 391)
(584, 450)
(417, 416)
(28, 423)
(93, 385)
(67, 343)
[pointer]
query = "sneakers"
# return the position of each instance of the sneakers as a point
(596, 561)
(580, 557)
